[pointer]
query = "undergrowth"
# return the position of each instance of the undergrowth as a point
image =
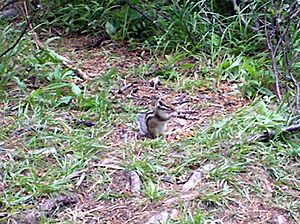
(55, 130)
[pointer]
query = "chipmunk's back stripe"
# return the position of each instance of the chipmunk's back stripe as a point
(150, 113)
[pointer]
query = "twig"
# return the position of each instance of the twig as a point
(188, 196)
(79, 71)
(273, 53)
(35, 36)
(187, 118)
(279, 42)
(270, 134)
(286, 49)
(40, 45)
(125, 87)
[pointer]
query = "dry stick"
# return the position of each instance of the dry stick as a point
(125, 87)
(298, 91)
(289, 62)
(271, 134)
(273, 53)
(79, 71)
(283, 43)
(40, 45)
(264, 136)
(35, 36)
(289, 72)
(296, 83)
(280, 42)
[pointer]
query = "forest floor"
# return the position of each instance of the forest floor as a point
(82, 159)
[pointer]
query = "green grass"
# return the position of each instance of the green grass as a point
(80, 126)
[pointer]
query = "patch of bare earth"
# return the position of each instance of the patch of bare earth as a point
(117, 201)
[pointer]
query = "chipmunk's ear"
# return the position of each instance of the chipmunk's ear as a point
(162, 98)
(165, 105)
(159, 103)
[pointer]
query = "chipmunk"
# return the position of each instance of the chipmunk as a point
(153, 122)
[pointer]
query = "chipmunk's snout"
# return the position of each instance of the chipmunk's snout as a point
(175, 113)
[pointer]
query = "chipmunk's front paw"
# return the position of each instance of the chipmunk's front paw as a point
(142, 136)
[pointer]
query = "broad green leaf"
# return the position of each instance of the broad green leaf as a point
(110, 29)
(236, 63)
(251, 70)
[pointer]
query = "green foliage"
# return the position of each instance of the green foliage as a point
(223, 36)
(152, 191)
(256, 118)
(7, 65)
(74, 16)
(254, 78)
(198, 44)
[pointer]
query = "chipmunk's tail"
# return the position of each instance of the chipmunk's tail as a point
(141, 120)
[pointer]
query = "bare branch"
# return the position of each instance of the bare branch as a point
(273, 58)
(271, 134)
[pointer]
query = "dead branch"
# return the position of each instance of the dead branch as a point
(271, 134)
(35, 36)
(125, 87)
(287, 48)
(278, 34)
(273, 52)
(262, 137)
(77, 70)
(40, 45)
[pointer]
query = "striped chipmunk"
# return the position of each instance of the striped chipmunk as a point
(152, 123)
